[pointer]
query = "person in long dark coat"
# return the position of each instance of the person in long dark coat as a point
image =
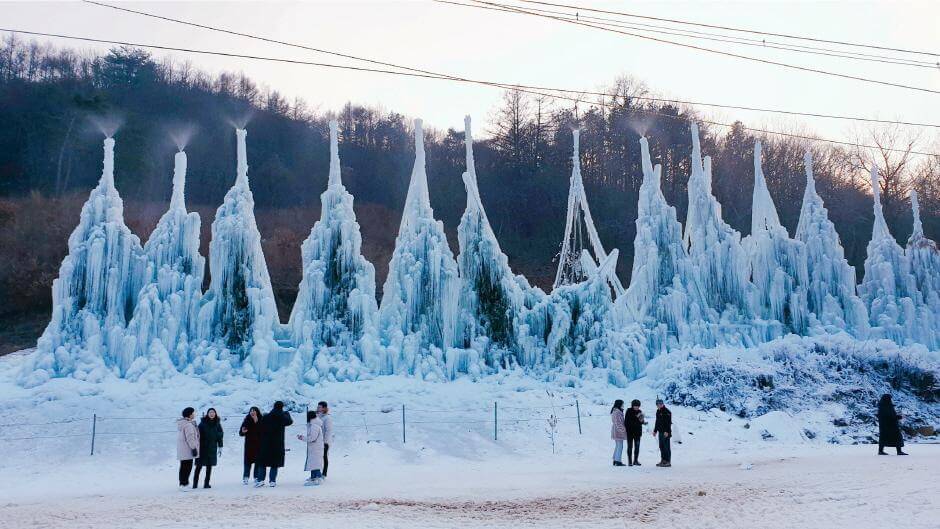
(251, 431)
(210, 441)
(634, 421)
(271, 450)
(889, 431)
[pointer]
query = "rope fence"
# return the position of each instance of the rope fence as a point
(97, 426)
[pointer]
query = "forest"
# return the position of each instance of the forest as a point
(56, 105)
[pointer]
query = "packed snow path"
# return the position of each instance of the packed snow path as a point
(832, 487)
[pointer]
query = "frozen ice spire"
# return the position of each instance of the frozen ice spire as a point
(810, 178)
(880, 228)
(178, 200)
(918, 225)
(418, 187)
(763, 212)
(470, 175)
(649, 172)
(242, 178)
(107, 171)
(335, 179)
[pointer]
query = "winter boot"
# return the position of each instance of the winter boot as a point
(902, 453)
(618, 464)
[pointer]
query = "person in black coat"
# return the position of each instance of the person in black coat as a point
(210, 443)
(889, 431)
(251, 431)
(634, 420)
(271, 449)
(663, 428)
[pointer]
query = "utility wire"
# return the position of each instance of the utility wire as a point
(718, 37)
(482, 4)
(428, 76)
(730, 28)
(500, 84)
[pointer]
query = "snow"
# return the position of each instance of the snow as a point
(728, 471)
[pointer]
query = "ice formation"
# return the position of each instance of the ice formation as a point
(569, 260)
(164, 320)
(95, 292)
(335, 304)
(719, 261)
(896, 308)
(664, 295)
(831, 297)
(925, 262)
(140, 312)
(778, 263)
(418, 313)
(491, 296)
(238, 314)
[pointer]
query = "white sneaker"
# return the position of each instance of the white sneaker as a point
(244, 481)
(309, 483)
(259, 484)
(318, 481)
(272, 484)
(184, 488)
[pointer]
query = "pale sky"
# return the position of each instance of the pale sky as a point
(522, 49)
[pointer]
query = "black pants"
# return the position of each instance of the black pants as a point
(196, 476)
(633, 447)
(186, 466)
(326, 458)
(665, 450)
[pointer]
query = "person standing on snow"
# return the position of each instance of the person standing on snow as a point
(634, 421)
(889, 430)
(663, 428)
(315, 449)
(251, 431)
(271, 452)
(187, 445)
(618, 431)
(323, 413)
(210, 446)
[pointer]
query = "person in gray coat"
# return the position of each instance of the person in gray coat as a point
(187, 445)
(314, 440)
(618, 431)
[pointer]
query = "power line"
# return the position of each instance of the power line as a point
(744, 41)
(501, 84)
(731, 28)
(428, 76)
(477, 4)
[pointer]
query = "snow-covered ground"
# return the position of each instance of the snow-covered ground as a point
(450, 471)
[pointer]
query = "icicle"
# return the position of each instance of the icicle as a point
(880, 227)
(107, 171)
(242, 178)
(335, 178)
(178, 200)
(763, 212)
(918, 225)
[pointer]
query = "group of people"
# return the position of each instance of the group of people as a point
(264, 434)
(627, 425)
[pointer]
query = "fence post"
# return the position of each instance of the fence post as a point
(94, 425)
(577, 406)
(495, 421)
(403, 438)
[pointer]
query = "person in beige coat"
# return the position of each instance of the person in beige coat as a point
(187, 445)
(314, 440)
(618, 431)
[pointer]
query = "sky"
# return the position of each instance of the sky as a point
(513, 48)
